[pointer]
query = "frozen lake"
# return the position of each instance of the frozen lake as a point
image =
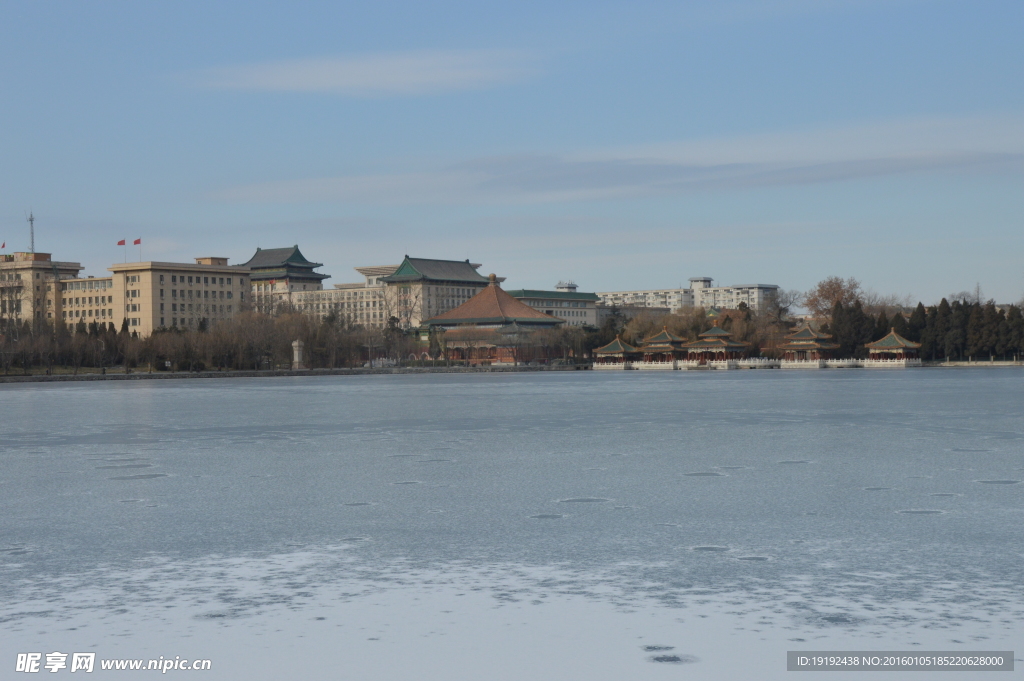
(514, 526)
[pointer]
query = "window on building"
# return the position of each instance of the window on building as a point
(190, 281)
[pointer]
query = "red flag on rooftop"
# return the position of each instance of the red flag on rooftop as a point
(121, 242)
(137, 242)
(4, 245)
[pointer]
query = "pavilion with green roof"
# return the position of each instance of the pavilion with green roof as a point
(715, 344)
(892, 347)
(616, 355)
(663, 346)
(806, 344)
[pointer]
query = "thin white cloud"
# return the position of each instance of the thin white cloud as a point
(992, 144)
(376, 75)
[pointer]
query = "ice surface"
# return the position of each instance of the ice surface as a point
(308, 528)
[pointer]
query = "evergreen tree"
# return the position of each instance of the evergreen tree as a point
(991, 320)
(943, 319)
(899, 324)
(124, 326)
(881, 327)
(863, 327)
(916, 325)
(956, 336)
(975, 332)
(1015, 331)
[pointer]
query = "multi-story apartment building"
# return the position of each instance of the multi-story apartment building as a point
(28, 286)
(361, 303)
(280, 275)
(410, 292)
(154, 295)
(150, 295)
(565, 302)
(88, 300)
(701, 293)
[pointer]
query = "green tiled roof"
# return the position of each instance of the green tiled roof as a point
(715, 332)
(807, 333)
(892, 341)
(715, 344)
(552, 295)
(283, 263)
(664, 336)
(420, 269)
(616, 347)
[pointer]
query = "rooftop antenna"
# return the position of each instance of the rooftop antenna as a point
(31, 232)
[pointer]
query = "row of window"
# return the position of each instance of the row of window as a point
(100, 300)
(554, 303)
(76, 314)
(88, 285)
(175, 307)
(176, 293)
(206, 281)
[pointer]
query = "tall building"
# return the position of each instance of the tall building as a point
(422, 288)
(153, 295)
(565, 302)
(409, 292)
(29, 287)
(701, 293)
(278, 275)
(360, 303)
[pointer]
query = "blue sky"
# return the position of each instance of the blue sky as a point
(622, 145)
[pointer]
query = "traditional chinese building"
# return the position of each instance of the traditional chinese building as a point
(279, 274)
(493, 327)
(421, 289)
(806, 344)
(663, 347)
(892, 349)
(616, 355)
(714, 345)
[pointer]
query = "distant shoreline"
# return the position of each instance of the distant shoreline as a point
(362, 371)
(266, 373)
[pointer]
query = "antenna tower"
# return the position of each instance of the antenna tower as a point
(32, 232)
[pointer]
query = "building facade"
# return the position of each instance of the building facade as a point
(422, 288)
(154, 295)
(565, 303)
(29, 286)
(701, 293)
(279, 275)
(409, 292)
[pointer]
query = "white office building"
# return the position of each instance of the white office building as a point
(701, 293)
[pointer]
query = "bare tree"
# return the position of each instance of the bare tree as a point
(820, 300)
(779, 305)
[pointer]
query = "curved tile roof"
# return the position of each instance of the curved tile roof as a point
(616, 347)
(493, 306)
(892, 341)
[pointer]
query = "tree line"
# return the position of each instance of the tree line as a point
(960, 329)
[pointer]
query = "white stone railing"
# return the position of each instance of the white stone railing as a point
(723, 364)
(803, 364)
(616, 366)
(890, 363)
(758, 363)
(843, 363)
(655, 366)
